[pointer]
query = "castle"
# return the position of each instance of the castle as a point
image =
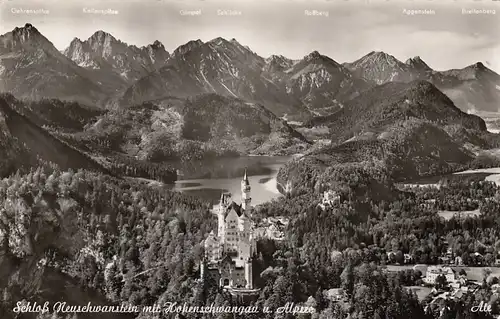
(229, 254)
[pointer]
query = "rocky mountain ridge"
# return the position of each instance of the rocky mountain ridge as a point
(105, 53)
(474, 87)
(31, 67)
(105, 71)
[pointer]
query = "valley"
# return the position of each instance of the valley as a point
(113, 155)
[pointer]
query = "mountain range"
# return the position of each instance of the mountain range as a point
(118, 107)
(31, 67)
(120, 64)
(473, 88)
(105, 71)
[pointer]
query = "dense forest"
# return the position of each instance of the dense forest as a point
(118, 241)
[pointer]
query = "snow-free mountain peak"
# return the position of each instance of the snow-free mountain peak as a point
(100, 34)
(277, 63)
(479, 65)
(157, 45)
(183, 49)
(27, 36)
(27, 31)
(36, 69)
(417, 63)
(379, 67)
(313, 55)
(116, 60)
(232, 45)
(218, 41)
(379, 57)
(318, 59)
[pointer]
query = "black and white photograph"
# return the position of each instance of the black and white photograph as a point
(223, 159)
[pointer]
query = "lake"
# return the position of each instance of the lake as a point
(207, 179)
(486, 174)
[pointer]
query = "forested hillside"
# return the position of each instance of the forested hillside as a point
(201, 127)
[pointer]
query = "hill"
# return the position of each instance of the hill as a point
(203, 126)
(374, 110)
(57, 233)
(407, 129)
(26, 144)
(55, 115)
(409, 149)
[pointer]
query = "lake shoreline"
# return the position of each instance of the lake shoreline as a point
(209, 179)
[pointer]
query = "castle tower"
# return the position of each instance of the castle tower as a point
(221, 230)
(248, 274)
(203, 266)
(245, 193)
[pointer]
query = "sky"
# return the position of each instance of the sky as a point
(446, 39)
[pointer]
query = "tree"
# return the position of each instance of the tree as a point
(486, 273)
(399, 257)
(441, 282)
(347, 279)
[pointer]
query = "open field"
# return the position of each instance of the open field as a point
(447, 214)
(473, 273)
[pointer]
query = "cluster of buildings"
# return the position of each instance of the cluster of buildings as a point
(392, 258)
(330, 198)
(229, 253)
(272, 228)
(454, 279)
(490, 257)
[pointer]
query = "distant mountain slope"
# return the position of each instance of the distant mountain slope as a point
(321, 83)
(406, 129)
(116, 62)
(380, 67)
(314, 84)
(474, 87)
(205, 125)
(409, 149)
(276, 64)
(380, 107)
(24, 144)
(218, 66)
(53, 114)
(31, 67)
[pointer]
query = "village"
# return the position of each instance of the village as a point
(451, 278)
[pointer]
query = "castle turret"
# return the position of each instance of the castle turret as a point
(248, 274)
(225, 199)
(203, 266)
(245, 193)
